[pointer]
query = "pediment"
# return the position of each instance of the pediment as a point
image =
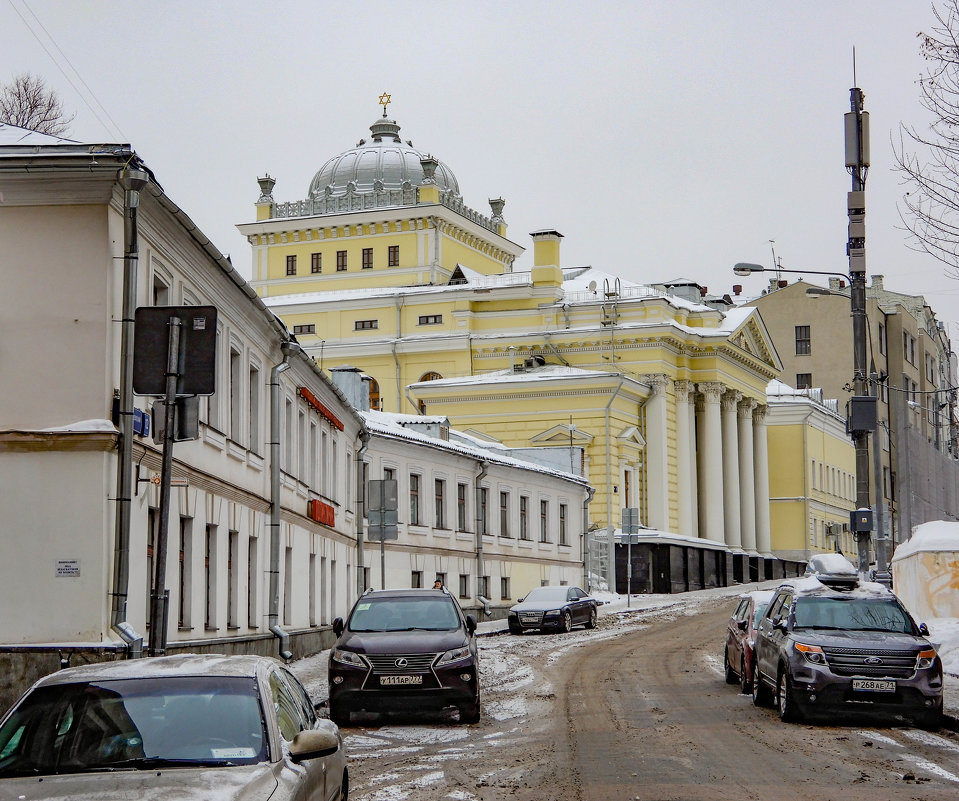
(753, 339)
(562, 434)
(631, 437)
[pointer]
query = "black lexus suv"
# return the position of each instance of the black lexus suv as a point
(405, 651)
(823, 646)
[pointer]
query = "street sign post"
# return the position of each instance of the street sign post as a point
(174, 355)
(381, 516)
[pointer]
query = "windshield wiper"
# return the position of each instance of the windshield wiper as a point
(148, 763)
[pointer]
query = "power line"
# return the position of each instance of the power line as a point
(80, 94)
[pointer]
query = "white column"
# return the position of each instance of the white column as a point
(711, 512)
(747, 475)
(685, 459)
(761, 467)
(732, 524)
(656, 456)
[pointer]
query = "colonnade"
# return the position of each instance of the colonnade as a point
(721, 462)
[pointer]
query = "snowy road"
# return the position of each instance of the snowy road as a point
(635, 709)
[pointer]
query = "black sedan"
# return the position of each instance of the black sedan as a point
(555, 608)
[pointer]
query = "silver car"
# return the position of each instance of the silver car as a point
(190, 726)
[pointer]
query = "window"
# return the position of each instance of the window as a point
(441, 578)
(340, 261)
(439, 490)
(288, 585)
(504, 593)
(431, 319)
(209, 570)
(366, 325)
(430, 376)
(185, 582)
(464, 585)
(316, 262)
(461, 507)
(252, 577)
(234, 395)
(802, 340)
(232, 564)
(563, 536)
(291, 265)
(523, 517)
(483, 500)
(161, 292)
(254, 410)
(908, 348)
(504, 514)
(414, 499)
(882, 339)
(375, 395)
(393, 256)
(367, 258)
(544, 521)
(803, 380)
(305, 329)
(416, 579)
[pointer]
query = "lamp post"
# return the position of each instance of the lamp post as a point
(860, 420)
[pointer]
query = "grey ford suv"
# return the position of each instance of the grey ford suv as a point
(822, 648)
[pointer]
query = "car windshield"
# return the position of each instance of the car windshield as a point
(547, 595)
(134, 723)
(404, 614)
(852, 614)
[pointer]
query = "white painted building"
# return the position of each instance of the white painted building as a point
(262, 546)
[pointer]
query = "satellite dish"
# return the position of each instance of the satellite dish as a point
(592, 286)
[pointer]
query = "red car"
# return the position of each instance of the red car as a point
(741, 637)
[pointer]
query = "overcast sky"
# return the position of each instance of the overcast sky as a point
(662, 138)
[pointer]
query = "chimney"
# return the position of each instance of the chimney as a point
(877, 282)
(773, 284)
(349, 380)
(737, 289)
(546, 265)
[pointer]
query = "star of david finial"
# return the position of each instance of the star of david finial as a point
(384, 101)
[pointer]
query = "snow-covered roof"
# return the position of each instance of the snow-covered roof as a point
(387, 424)
(810, 585)
(548, 372)
(935, 536)
(13, 135)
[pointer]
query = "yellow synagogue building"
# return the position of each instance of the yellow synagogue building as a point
(662, 400)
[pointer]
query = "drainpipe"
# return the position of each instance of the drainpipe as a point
(609, 493)
(484, 468)
(552, 347)
(566, 314)
(360, 512)
(590, 491)
(288, 348)
(133, 182)
(396, 361)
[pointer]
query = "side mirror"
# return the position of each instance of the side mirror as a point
(781, 624)
(470, 624)
(338, 626)
(742, 625)
(924, 629)
(313, 744)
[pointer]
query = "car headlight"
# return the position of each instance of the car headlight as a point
(812, 653)
(926, 658)
(554, 611)
(456, 655)
(348, 658)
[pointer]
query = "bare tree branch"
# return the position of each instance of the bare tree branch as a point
(28, 103)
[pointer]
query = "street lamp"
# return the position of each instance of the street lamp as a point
(745, 268)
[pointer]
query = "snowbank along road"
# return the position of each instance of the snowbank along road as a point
(634, 709)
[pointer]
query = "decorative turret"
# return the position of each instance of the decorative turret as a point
(264, 204)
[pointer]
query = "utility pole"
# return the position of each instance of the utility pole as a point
(857, 163)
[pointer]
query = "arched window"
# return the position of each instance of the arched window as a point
(430, 376)
(374, 395)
